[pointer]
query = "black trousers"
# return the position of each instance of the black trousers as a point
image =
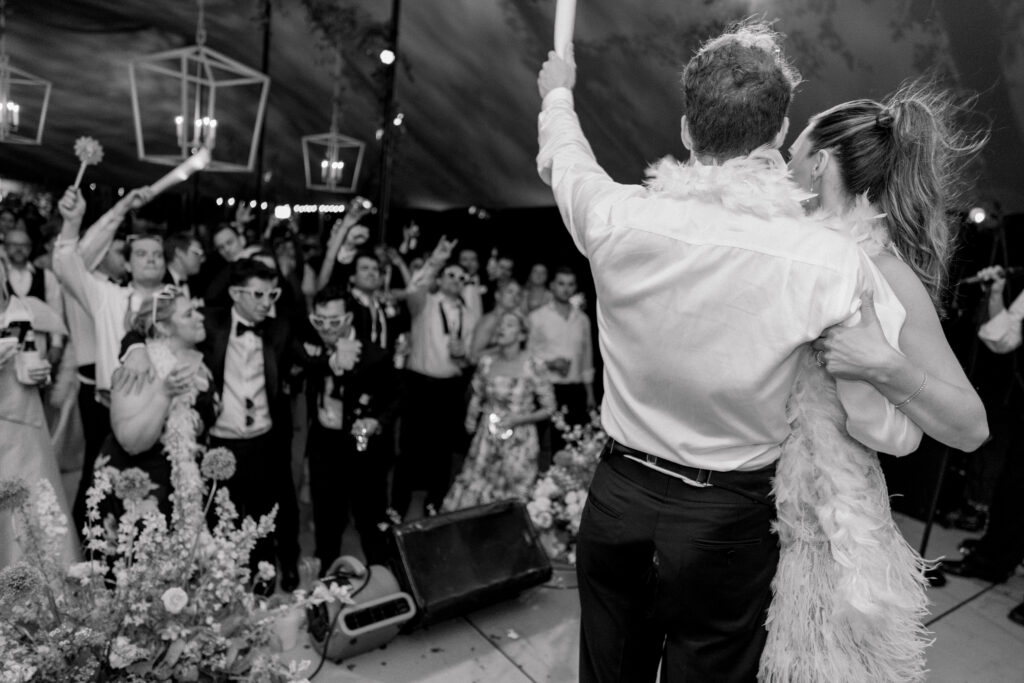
(286, 524)
(1002, 546)
(675, 574)
(342, 478)
(95, 428)
(433, 415)
(255, 486)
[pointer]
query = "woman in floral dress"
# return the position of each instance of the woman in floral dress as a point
(511, 393)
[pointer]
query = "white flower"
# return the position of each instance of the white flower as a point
(542, 519)
(540, 505)
(123, 653)
(84, 571)
(174, 599)
(265, 571)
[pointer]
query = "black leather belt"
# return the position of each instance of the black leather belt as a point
(739, 482)
(699, 476)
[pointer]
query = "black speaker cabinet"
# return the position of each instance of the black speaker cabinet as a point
(459, 561)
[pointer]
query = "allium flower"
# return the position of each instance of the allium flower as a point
(132, 484)
(19, 581)
(174, 599)
(218, 464)
(88, 150)
(13, 494)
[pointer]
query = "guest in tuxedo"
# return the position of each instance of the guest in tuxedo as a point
(248, 354)
(351, 382)
(184, 256)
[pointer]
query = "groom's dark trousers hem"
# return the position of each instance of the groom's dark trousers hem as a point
(669, 571)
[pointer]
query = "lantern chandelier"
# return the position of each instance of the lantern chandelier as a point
(180, 91)
(24, 98)
(332, 161)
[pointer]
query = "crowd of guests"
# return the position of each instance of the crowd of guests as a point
(409, 380)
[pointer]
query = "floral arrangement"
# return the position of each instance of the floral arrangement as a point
(157, 599)
(556, 505)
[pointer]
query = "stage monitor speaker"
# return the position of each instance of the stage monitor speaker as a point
(459, 561)
(341, 631)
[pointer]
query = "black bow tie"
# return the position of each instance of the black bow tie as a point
(241, 328)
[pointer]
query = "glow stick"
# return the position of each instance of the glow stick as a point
(196, 162)
(565, 18)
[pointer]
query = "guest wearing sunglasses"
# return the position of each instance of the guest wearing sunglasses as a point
(248, 353)
(435, 383)
(352, 391)
(172, 327)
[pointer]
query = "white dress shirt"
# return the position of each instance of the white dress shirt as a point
(1002, 332)
(552, 336)
(111, 306)
(245, 409)
(180, 281)
(428, 339)
(710, 284)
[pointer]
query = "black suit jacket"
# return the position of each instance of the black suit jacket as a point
(369, 389)
(276, 334)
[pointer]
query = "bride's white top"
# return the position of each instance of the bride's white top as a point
(710, 284)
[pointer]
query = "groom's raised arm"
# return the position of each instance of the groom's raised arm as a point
(565, 160)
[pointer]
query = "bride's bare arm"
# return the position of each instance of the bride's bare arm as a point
(947, 408)
(137, 416)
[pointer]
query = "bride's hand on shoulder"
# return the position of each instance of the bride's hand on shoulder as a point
(857, 352)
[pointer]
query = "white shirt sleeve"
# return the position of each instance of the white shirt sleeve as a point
(870, 417)
(566, 162)
(75, 277)
(1002, 332)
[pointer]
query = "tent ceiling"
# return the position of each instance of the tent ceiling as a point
(466, 81)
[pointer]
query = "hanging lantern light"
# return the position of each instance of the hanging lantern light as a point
(24, 98)
(332, 160)
(195, 97)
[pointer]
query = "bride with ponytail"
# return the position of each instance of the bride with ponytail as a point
(849, 595)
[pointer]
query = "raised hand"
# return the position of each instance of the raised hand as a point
(443, 251)
(72, 206)
(557, 72)
(857, 351)
(135, 199)
(993, 277)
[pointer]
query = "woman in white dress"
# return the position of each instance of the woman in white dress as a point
(849, 593)
(26, 450)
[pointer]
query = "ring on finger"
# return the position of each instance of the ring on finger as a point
(819, 358)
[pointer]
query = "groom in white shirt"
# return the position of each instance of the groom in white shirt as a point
(709, 282)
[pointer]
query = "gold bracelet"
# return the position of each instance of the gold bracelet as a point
(908, 399)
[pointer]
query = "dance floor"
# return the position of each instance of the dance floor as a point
(534, 637)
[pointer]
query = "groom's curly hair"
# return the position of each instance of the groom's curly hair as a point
(737, 90)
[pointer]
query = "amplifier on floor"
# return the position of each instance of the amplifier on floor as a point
(341, 631)
(459, 561)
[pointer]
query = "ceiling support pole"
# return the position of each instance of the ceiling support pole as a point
(390, 130)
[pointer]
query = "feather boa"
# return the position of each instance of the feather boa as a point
(757, 184)
(180, 441)
(849, 593)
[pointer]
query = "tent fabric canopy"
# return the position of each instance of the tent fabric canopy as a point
(466, 81)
